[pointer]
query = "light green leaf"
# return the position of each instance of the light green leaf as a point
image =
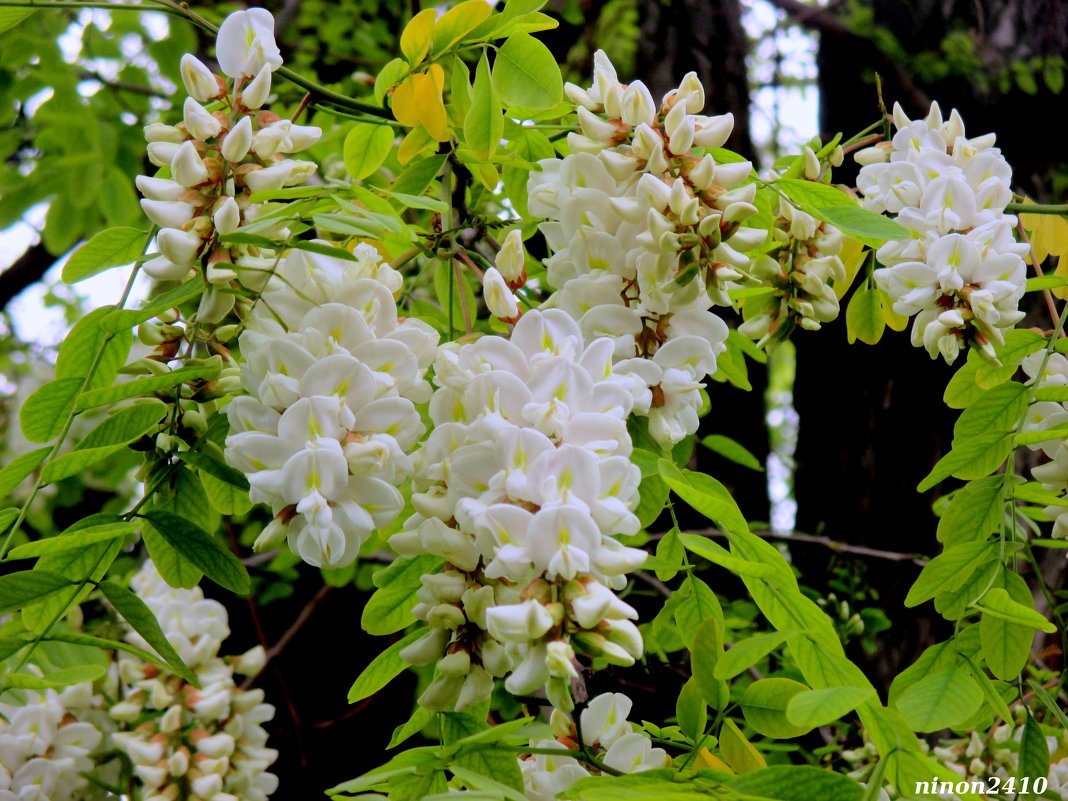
(110, 436)
(45, 412)
(975, 512)
(112, 247)
(1006, 645)
(124, 319)
(366, 147)
(974, 457)
(864, 316)
(74, 540)
(706, 495)
(87, 339)
(383, 668)
(390, 608)
(949, 570)
(940, 700)
(525, 73)
(146, 386)
(998, 603)
(834, 206)
(707, 549)
(706, 651)
(696, 604)
(137, 613)
(764, 705)
(25, 587)
(1000, 408)
(820, 707)
(54, 679)
(1034, 751)
(729, 449)
(18, 468)
(691, 710)
(797, 783)
(484, 124)
(200, 548)
(746, 653)
(419, 720)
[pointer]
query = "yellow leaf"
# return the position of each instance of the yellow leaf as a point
(897, 322)
(405, 105)
(429, 106)
(459, 21)
(438, 75)
(486, 173)
(1048, 234)
(413, 144)
(738, 751)
(706, 759)
(852, 256)
(417, 35)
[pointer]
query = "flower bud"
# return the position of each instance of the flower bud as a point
(871, 155)
(638, 105)
(518, 622)
(199, 81)
(499, 298)
(227, 216)
(258, 89)
(714, 131)
(162, 153)
(157, 132)
(238, 140)
(199, 122)
(510, 259)
(158, 188)
(691, 92)
(811, 164)
(187, 167)
(178, 246)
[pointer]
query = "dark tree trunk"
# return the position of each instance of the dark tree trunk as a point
(704, 36)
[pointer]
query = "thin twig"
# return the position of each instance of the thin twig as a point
(826, 542)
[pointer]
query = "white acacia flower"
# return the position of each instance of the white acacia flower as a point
(245, 43)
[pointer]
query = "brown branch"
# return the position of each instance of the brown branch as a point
(826, 542)
(829, 25)
(25, 271)
(122, 86)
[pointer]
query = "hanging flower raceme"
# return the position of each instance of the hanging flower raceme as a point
(801, 272)
(962, 274)
(48, 741)
(646, 231)
(332, 375)
(1047, 415)
(226, 148)
(204, 744)
(521, 487)
(607, 735)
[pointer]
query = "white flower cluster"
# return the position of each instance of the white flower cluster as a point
(333, 377)
(1045, 415)
(646, 229)
(801, 272)
(982, 758)
(962, 274)
(521, 486)
(225, 149)
(605, 732)
(47, 744)
(202, 745)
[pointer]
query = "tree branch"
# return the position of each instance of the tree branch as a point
(27, 269)
(826, 542)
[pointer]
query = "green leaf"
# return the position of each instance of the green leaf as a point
(949, 570)
(484, 124)
(764, 706)
(457, 22)
(974, 457)
(748, 652)
(1046, 282)
(366, 147)
(962, 389)
(498, 765)
(637, 787)
(136, 612)
(1006, 645)
(206, 463)
(1042, 435)
(418, 176)
(1057, 394)
(25, 587)
(1000, 408)
(172, 565)
(706, 651)
(707, 549)
(816, 708)
(10, 17)
(56, 678)
(705, 495)
(124, 319)
(146, 386)
(691, 710)
(525, 73)
(18, 468)
(729, 449)
(696, 603)
(74, 540)
(669, 551)
(87, 339)
(200, 548)
(975, 512)
(1019, 342)
(45, 412)
(1034, 751)
(834, 206)
(940, 700)
(112, 435)
(383, 668)
(864, 316)
(797, 783)
(998, 603)
(419, 720)
(92, 561)
(112, 247)
(324, 250)
(390, 608)
(90, 641)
